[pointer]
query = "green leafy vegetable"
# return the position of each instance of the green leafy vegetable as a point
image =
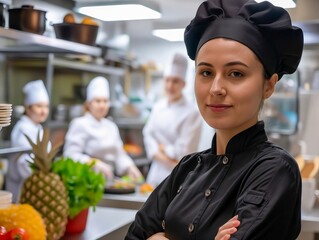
(85, 187)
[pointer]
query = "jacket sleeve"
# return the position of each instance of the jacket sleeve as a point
(122, 161)
(188, 139)
(269, 207)
(18, 139)
(150, 143)
(149, 219)
(74, 144)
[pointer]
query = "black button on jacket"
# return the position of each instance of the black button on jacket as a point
(255, 179)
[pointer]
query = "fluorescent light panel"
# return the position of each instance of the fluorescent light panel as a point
(121, 12)
(177, 34)
(172, 35)
(281, 3)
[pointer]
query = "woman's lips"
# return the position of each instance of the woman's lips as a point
(218, 107)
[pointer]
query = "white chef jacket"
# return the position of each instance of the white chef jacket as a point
(175, 125)
(19, 168)
(89, 138)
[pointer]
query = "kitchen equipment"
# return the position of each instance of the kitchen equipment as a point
(18, 111)
(5, 114)
(76, 32)
(61, 113)
(308, 197)
(2, 15)
(79, 92)
(27, 19)
(75, 111)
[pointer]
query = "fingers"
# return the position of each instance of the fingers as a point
(133, 172)
(105, 169)
(158, 236)
(229, 228)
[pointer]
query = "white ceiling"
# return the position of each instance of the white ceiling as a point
(175, 13)
(178, 13)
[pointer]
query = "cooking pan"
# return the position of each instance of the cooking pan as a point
(27, 19)
(76, 32)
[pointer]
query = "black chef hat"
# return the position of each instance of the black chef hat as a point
(262, 27)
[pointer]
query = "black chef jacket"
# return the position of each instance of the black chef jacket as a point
(255, 179)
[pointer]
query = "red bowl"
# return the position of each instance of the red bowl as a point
(76, 32)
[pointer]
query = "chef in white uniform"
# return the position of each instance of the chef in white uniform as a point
(174, 125)
(36, 101)
(93, 137)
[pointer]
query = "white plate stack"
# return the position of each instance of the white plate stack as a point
(5, 114)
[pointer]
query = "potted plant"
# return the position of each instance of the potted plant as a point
(85, 189)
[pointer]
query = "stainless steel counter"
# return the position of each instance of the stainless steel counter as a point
(105, 223)
(310, 220)
(126, 201)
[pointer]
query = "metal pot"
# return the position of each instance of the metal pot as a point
(27, 19)
(76, 32)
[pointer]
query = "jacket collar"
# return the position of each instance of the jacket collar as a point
(29, 121)
(89, 116)
(179, 102)
(244, 140)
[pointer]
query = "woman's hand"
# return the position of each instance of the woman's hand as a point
(134, 173)
(158, 236)
(104, 168)
(230, 227)
(162, 157)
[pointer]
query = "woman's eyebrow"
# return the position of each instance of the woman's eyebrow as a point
(204, 64)
(226, 65)
(236, 63)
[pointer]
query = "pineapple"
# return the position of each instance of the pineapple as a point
(26, 217)
(44, 189)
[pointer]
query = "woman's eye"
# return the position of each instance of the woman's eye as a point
(236, 74)
(206, 73)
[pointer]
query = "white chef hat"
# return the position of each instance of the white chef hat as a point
(35, 92)
(178, 67)
(98, 87)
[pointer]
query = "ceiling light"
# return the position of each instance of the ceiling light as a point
(282, 3)
(118, 10)
(172, 35)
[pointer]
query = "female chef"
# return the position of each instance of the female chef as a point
(174, 126)
(36, 101)
(243, 187)
(92, 137)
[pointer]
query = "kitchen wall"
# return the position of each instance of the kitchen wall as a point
(159, 51)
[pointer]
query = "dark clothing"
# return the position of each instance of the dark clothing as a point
(255, 179)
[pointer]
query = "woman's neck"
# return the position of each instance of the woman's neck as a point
(173, 100)
(221, 143)
(222, 139)
(32, 120)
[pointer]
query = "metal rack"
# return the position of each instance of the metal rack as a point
(15, 41)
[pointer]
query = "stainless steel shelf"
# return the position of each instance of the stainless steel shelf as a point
(129, 123)
(115, 71)
(70, 64)
(13, 150)
(15, 41)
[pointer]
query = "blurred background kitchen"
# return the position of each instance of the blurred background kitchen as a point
(132, 56)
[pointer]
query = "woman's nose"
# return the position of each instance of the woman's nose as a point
(217, 88)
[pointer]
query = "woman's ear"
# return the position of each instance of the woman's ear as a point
(270, 85)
